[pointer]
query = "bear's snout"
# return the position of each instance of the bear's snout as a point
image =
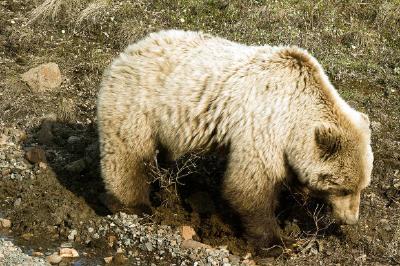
(345, 209)
(347, 218)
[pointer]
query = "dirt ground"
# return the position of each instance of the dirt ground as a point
(358, 43)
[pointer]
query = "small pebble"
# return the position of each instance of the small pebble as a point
(108, 259)
(5, 223)
(17, 202)
(69, 253)
(54, 258)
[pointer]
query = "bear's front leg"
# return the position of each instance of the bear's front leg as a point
(254, 196)
(123, 165)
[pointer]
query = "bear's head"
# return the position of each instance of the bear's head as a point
(338, 165)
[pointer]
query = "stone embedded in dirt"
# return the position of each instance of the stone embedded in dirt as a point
(66, 245)
(5, 223)
(69, 253)
(249, 262)
(35, 155)
(194, 244)
(37, 254)
(149, 246)
(72, 235)
(3, 139)
(6, 172)
(43, 77)
(17, 202)
(54, 258)
(247, 256)
(234, 259)
(27, 236)
(108, 259)
(76, 167)
(45, 134)
(42, 165)
(187, 232)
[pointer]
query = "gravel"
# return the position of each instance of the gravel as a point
(11, 255)
(162, 240)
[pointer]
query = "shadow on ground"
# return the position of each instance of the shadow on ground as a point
(184, 192)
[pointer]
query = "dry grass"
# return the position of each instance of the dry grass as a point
(92, 11)
(169, 177)
(52, 8)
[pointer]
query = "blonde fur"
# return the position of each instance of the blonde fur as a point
(273, 106)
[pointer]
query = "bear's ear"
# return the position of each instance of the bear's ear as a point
(328, 140)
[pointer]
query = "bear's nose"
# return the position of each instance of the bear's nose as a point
(351, 220)
(348, 217)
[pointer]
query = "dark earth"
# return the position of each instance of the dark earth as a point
(50, 182)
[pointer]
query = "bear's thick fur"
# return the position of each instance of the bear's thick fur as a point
(273, 106)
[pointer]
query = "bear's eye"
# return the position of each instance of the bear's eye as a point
(325, 177)
(344, 192)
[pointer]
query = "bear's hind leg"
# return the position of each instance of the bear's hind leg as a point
(124, 156)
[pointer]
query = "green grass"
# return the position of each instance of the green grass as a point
(352, 39)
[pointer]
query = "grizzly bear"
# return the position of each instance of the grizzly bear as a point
(274, 108)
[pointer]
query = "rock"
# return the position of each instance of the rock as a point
(43, 77)
(108, 259)
(76, 167)
(45, 134)
(187, 232)
(42, 165)
(249, 262)
(247, 256)
(35, 155)
(54, 258)
(149, 246)
(17, 202)
(120, 250)
(37, 254)
(5, 223)
(27, 236)
(194, 244)
(234, 259)
(3, 139)
(6, 172)
(72, 235)
(69, 253)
